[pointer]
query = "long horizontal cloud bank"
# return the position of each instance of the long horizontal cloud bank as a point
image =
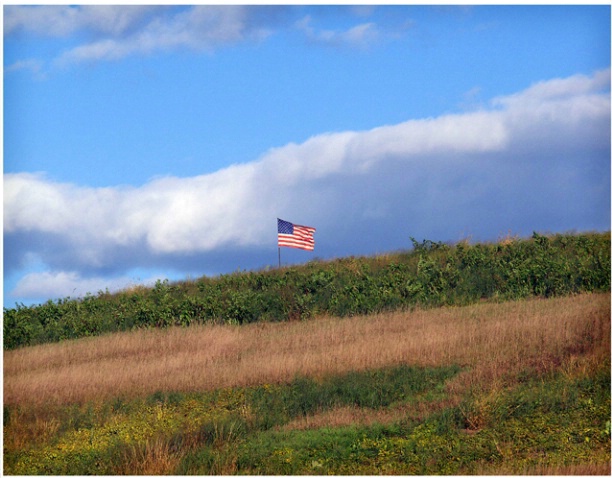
(538, 159)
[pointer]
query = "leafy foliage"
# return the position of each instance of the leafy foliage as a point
(431, 274)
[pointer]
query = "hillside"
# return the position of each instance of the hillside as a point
(518, 387)
(447, 359)
(430, 275)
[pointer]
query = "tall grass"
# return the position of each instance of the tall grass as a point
(491, 341)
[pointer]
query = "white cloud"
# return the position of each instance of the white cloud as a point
(60, 21)
(35, 66)
(70, 284)
(206, 212)
(559, 89)
(440, 173)
(362, 35)
(577, 107)
(117, 31)
(200, 28)
(113, 32)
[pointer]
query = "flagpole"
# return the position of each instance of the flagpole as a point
(279, 257)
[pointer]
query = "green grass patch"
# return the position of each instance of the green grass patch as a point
(370, 389)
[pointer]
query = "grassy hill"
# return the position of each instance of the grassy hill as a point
(430, 275)
(396, 366)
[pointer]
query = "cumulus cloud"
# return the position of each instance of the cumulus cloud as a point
(536, 159)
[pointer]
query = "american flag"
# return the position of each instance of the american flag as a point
(292, 235)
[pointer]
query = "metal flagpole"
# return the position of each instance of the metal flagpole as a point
(279, 257)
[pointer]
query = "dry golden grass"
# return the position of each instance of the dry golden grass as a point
(154, 457)
(591, 469)
(493, 341)
(579, 470)
(345, 416)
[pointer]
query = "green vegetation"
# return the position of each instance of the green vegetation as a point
(94, 438)
(560, 422)
(431, 274)
(555, 424)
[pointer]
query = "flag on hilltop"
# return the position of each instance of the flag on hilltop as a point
(292, 235)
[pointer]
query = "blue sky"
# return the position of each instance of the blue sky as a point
(152, 142)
